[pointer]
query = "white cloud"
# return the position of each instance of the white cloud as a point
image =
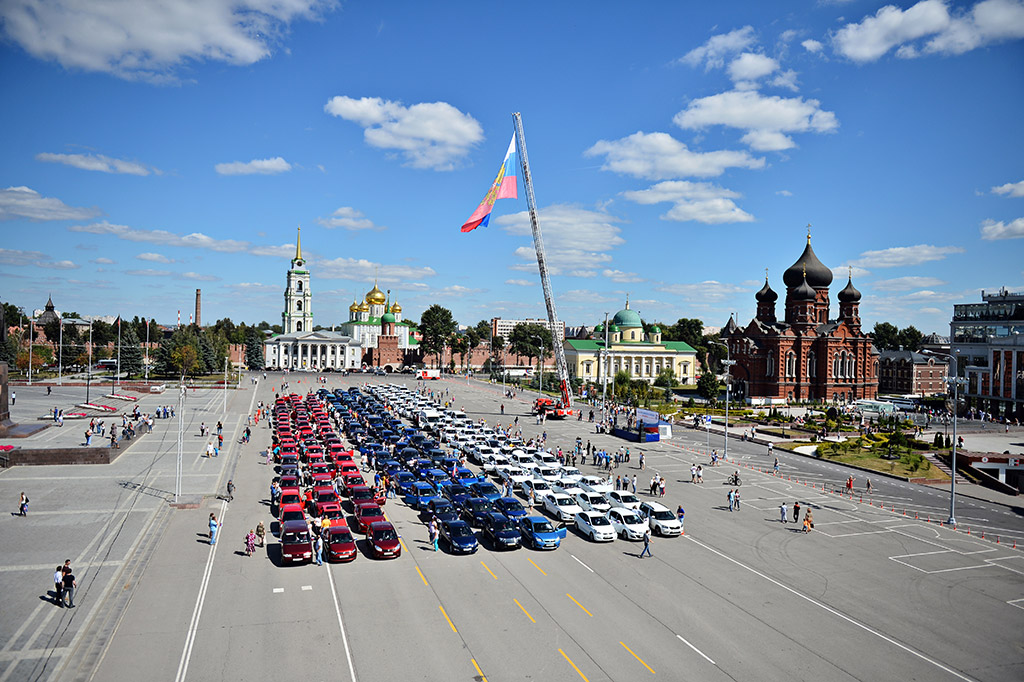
(988, 21)
(659, 156)
(906, 283)
(155, 258)
(621, 277)
(698, 201)
(254, 167)
(784, 193)
(750, 66)
(709, 290)
(350, 219)
(842, 271)
(786, 79)
(194, 276)
(521, 282)
(362, 270)
(432, 135)
(991, 230)
(904, 255)
(148, 39)
(103, 261)
(98, 162)
(18, 257)
(718, 47)
(195, 240)
(575, 238)
(812, 46)
(199, 277)
(22, 202)
(764, 118)
(1010, 189)
(62, 265)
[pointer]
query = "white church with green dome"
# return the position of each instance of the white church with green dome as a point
(366, 321)
(641, 355)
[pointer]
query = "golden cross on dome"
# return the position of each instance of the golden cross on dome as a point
(766, 274)
(851, 271)
(808, 233)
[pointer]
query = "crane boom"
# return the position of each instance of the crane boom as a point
(545, 280)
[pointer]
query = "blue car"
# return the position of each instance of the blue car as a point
(486, 490)
(434, 476)
(539, 533)
(420, 494)
(502, 532)
(442, 510)
(457, 493)
(510, 507)
(459, 537)
(464, 476)
(475, 510)
(404, 481)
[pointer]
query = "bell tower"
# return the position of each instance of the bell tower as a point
(298, 299)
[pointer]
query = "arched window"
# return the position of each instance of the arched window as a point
(790, 364)
(300, 285)
(298, 306)
(811, 362)
(298, 326)
(849, 365)
(770, 369)
(835, 365)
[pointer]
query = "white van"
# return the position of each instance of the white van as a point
(428, 419)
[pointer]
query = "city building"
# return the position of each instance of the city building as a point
(643, 356)
(988, 340)
(386, 338)
(503, 327)
(904, 372)
(298, 298)
(806, 356)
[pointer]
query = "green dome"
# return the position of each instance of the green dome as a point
(614, 329)
(627, 317)
(599, 327)
(655, 329)
(387, 317)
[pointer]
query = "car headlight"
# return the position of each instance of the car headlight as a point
(378, 548)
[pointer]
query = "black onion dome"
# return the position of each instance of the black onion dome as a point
(818, 275)
(804, 292)
(766, 294)
(849, 294)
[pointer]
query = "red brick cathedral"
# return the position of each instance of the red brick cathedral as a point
(806, 356)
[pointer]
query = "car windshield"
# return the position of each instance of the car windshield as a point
(664, 515)
(598, 521)
(386, 534)
(563, 502)
(341, 536)
(628, 498)
(369, 511)
(631, 519)
(459, 531)
(482, 505)
(540, 485)
(294, 538)
(442, 506)
(290, 499)
(499, 526)
(543, 527)
(292, 516)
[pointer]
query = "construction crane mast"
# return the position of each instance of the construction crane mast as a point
(545, 280)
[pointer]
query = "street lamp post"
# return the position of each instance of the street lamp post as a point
(727, 363)
(605, 369)
(956, 381)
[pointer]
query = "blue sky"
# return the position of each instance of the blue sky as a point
(678, 150)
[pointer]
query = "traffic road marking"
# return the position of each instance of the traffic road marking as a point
(579, 605)
(278, 590)
(447, 618)
(637, 657)
(535, 565)
(421, 576)
(489, 570)
(478, 670)
(524, 610)
(573, 666)
(307, 588)
(581, 563)
(695, 649)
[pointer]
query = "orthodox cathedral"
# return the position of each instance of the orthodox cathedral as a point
(806, 356)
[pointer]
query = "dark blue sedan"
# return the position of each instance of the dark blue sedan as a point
(442, 510)
(510, 507)
(503, 533)
(475, 510)
(459, 537)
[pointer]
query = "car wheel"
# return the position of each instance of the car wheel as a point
(592, 538)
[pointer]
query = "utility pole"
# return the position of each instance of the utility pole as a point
(605, 368)
(88, 374)
(181, 437)
(727, 363)
(60, 354)
(147, 351)
(118, 376)
(225, 387)
(31, 338)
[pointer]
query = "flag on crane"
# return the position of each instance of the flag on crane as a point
(504, 187)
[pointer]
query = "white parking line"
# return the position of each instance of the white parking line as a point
(307, 588)
(341, 625)
(696, 649)
(193, 626)
(278, 590)
(581, 563)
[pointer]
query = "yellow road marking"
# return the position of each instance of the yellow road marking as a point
(447, 618)
(478, 670)
(638, 658)
(535, 565)
(524, 610)
(573, 666)
(421, 576)
(404, 548)
(489, 570)
(579, 605)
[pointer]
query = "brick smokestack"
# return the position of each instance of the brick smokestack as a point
(199, 306)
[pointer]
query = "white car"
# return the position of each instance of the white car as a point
(572, 473)
(549, 474)
(481, 453)
(569, 487)
(493, 464)
(622, 498)
(592, 502)
(596, 484)
(545, 459)
(538, 486)
(627, 523)
(662, 521)
(595, 526)
(515, 476)
(522, 459)
(561, 506)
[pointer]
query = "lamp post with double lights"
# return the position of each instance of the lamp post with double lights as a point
(953, 379)
(727, 363)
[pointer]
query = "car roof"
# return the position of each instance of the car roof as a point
(381, 525)
(655, 506)
(294, 525)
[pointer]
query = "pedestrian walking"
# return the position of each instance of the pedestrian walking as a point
(58, 585)
(869, 486)
(736, 499)
(808, 521)
(231, 490)
(634, 484)
(261, 533)
(88, 437)
(732, 499)
(782, 513)
(70, 585)
(796, 512)
(693, 473)
(318, 548)
(214, 525)
(14, 397)
(647, 544)
(250, 542)
(432, 533)
(23, 505)
(681, 515)
(700, 473)
(209, 449)
(661, 486)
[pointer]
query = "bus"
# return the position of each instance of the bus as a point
(104, 365)
(908, 402)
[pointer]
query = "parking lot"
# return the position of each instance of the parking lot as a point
(869, 594)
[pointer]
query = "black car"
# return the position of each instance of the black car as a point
(502, 532)
(475, 510)
(442, 510)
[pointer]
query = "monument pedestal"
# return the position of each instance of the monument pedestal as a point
(9, 429)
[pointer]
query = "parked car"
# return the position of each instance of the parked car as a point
(367, 514)
(459, 537)
(662, 521)
(595, 526)
(622, 498)
(502, 531)
(296, 543)
(539, 533)
(340, 545)
(474, 510)
(562, 507)
(627, 523)
(384, 540)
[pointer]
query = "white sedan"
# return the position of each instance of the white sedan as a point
(549, 474)
(514, 476)
(597, 484)
(592, 502)
(622, 498)
(561, 506)
(571, 473)
(595, 526)
(627, 523)
(537, 486)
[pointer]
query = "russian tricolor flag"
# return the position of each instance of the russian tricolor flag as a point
(504, 187)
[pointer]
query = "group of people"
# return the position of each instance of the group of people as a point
(64, 585)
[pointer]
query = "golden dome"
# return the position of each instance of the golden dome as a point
(354, 308)
(396, 308)
(375, 296)
(364, 307)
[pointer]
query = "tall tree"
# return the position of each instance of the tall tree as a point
(483, 329)
(460, 346)
(436, 327)
(529, 339)
(708, 386)
(885, 336)
(254, 349)
(474, 339)
(910, 338)
(131, 352)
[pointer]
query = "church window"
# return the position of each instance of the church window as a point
(849, 365)
(298, 306)
(790, 364)
(811, 362)
(299, 284)
(298, 326)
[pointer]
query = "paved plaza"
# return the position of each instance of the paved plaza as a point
(875, 592)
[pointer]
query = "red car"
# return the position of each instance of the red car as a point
(289, 481)
(291, 512)
(296, 543)
(367, 514)
(350, 481)
(384, 541)
(340, 544)
(290, 495)
(360, 494)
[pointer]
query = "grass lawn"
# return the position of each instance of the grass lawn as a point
(873, 460)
